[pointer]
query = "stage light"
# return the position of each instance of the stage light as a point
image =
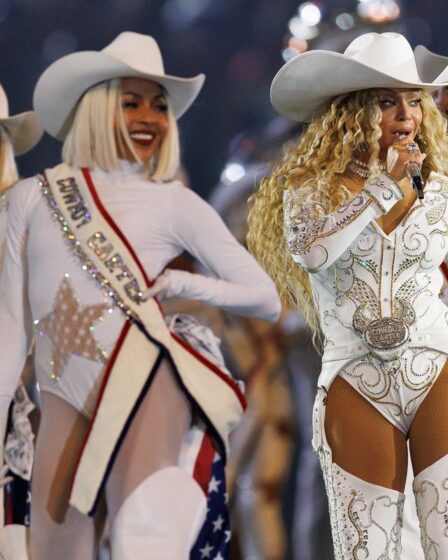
(302, 30)
(345, 21)
(379, 11)
(233, 172)
(310, 13)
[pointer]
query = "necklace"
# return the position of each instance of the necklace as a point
(359, 168)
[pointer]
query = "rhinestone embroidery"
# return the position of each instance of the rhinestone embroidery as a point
(70, 329)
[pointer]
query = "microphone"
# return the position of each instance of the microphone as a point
(415, 176)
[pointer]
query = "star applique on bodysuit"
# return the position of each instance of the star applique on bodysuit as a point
(69, 327)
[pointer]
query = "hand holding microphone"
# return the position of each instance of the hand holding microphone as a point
(415, 177)
(404, 159)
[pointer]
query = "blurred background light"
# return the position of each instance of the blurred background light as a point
(379, 10)
(233, 172)
(345, 21)
(310, 13)
(295, 46)
(301, 29)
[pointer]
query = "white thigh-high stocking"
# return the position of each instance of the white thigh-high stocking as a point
(57, 529)
(160, 519)
(366, 519)
(155, 508)
(431, 496)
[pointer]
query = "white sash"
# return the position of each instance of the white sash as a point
(144, 341)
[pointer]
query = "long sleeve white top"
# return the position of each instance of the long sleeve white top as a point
(358, 270)
(160, 220)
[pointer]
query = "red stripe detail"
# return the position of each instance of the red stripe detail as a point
(124, 332)
(444, 268)
(214, 368)
(149, 282)
(202, 471)
(113, 225)
(8, 506)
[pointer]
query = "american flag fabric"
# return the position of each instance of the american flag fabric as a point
(17, 501)
(214, 538)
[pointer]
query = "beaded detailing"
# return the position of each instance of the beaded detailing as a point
(395, 388)
(75, 246)
(359, 168)
(431, 497)
(366, 520)
(302, 228)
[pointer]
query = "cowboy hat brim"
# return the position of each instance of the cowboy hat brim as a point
(63, 84)
(24, 131)
(430, 65)
(305, 84)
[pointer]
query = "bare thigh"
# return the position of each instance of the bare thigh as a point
(428, 435)
(57, 529)
(362, 441)
(154, 438)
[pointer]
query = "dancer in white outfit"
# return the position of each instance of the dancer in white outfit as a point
(134, 404)
(358, 250)
(18, 134)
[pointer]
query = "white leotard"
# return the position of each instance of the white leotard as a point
(75, 323)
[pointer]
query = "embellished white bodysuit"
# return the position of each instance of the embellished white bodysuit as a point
(76, 324)
(378, 296)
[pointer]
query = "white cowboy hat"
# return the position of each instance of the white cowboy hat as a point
(24, 129)
(430, 65)
(304, 85)
(129, 55)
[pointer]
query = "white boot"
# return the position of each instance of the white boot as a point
(366, 520)
(431, 496)
(160, 519)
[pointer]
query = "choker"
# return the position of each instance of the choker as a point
(361, 168)
(358, 167)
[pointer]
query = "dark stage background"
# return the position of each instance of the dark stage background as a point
(229, 136)
(236, 43)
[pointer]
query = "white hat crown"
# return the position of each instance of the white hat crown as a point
(304, 85)
(389, 53)
(138, 51)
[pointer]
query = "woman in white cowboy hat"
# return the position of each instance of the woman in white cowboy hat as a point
(340, 227)
(135, 407)
(18, 135)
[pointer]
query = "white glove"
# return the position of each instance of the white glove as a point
(169, 284)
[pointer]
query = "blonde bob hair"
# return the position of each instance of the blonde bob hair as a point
(8, 167)
(92, 139)
(314, 167)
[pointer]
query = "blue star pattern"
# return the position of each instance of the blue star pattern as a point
(214, 538)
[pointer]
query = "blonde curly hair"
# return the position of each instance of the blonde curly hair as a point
(348, 128)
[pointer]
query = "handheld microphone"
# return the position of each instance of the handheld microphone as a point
(415, 176)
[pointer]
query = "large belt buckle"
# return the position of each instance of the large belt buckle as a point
(386, 337)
